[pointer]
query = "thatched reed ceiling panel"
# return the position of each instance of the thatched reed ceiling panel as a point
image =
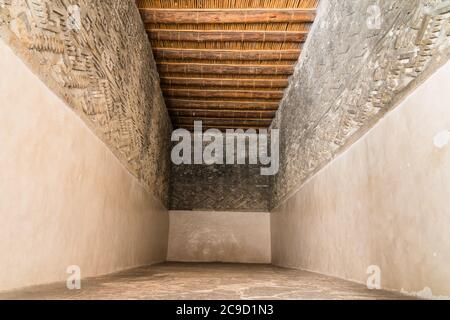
(226, 62)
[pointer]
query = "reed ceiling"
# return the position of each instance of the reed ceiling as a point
(226, 62)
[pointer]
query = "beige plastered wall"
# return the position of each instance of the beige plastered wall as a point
(65, 199)
(384, 202)
(208, 236)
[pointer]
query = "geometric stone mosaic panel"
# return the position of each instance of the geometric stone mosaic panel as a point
(362, 58)
(96, 56)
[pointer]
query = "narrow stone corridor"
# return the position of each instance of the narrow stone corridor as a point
(224, 149)
(182, 281)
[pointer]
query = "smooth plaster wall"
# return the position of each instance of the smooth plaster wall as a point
(385, 202)
(208, 236)
(65, 199)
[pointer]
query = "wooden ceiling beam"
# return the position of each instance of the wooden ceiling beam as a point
(226, 35)
(212, 104)
(246, 120)
(225, 83)
(222, 128)
(208, 54)
(224, 87)
(208, 16)
(222, 122)
(214, 113)
(235, 69)
(237, 94)
(227, 118)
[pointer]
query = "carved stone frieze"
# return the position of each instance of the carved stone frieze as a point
(360, 74)
(97, 57)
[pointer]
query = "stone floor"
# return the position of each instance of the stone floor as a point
(174, 281)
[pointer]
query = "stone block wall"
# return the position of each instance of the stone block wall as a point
(95, 55)
(219, 187)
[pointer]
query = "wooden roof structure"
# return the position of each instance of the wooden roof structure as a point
(226, 62)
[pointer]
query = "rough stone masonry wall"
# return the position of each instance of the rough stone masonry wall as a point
(219, 187)
(350, 75)
(104, 70)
